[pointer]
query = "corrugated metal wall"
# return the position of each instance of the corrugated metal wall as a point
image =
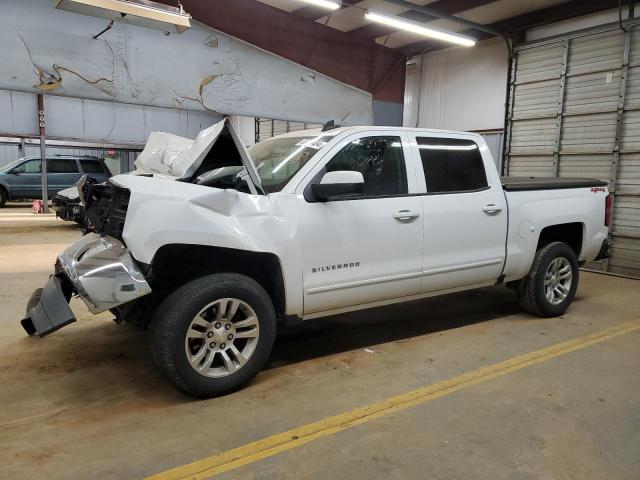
(267, 128)
(438, 93)
(495, 142)
(574, 110)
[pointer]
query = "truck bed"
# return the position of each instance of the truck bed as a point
(518, 184)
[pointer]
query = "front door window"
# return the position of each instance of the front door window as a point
(30, 166)
(381, 162)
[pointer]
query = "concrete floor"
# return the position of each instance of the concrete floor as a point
(86, 401)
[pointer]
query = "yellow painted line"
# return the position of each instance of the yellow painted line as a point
(281, 442)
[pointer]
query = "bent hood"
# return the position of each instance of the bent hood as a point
(183, 159)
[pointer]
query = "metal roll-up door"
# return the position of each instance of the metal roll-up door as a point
(574, 110)
(280, 127)
(267, 128)
(264, 128)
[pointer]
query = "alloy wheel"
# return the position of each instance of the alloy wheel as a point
(222, 337)
(557, 280)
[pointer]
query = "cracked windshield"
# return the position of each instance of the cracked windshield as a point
(279, 159)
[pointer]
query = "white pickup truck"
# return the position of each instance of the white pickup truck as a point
(209, 244)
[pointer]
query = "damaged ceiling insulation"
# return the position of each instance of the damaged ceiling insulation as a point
(205, 81)
(230, 82)
(49, 81)
(200, 70)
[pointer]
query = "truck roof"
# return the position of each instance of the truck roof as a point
(363, 128)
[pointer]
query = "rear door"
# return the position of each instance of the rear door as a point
(62, 173)
(465, 211)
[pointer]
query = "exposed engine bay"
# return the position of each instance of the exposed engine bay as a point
(105, 208)
(216, 158)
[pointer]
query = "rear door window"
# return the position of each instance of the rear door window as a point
(61, 165)
(451, 165)
(91, 166)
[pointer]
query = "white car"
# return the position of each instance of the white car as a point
(210, 245)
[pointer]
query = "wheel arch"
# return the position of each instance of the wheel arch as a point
(571, 233)
(175, 264)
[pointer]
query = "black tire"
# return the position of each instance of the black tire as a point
(3, 197)
(173, 316)
(531, 289)
(81, 219)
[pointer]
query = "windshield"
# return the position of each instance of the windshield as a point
(279, 159)
(6, 168)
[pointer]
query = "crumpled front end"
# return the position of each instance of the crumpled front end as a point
(99, 269)
(106, 206)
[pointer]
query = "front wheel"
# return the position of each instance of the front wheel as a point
(214, 334)
(3, 197)
(549, 287)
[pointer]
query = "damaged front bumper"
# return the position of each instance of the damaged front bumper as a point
(100, 270)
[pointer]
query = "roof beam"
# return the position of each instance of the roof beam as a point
(556, 13)
(445, 7)
(362, 64)
(429, 10)
(515, 25)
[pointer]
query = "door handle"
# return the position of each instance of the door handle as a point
(491, 209)
(406, 215)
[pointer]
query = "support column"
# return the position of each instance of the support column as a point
(508, 128)
(621, 100)
(613, 177)
(563, 88)
(21, 148)
(43, 153)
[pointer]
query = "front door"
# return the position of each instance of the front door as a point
(465, 212)
(27, 180)
(367, 249)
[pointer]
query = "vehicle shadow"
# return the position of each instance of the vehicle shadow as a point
(298, 341)
(117, 370)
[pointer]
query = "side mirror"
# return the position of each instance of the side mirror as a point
(339, 185)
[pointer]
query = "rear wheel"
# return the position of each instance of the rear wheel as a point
(551, 284)
(214, 334)
(3, 197)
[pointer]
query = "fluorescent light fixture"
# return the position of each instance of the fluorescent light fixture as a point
(143, 13)
(419, 28)
(330, 4)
